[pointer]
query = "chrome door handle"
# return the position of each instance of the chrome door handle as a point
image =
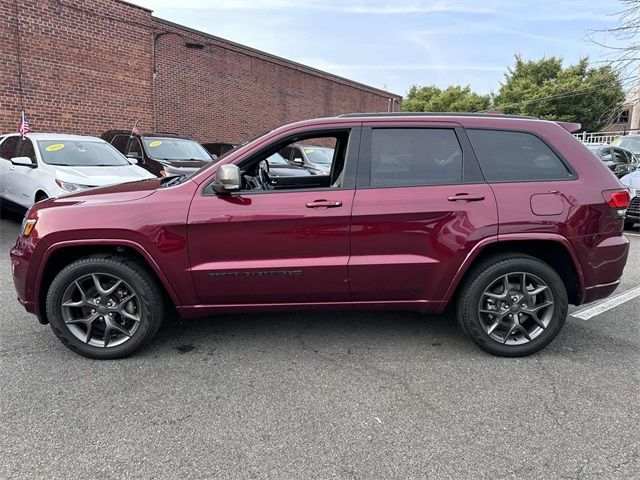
(324, 204)
(465, 197)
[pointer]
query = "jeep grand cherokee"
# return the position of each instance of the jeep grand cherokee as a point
(509, 219)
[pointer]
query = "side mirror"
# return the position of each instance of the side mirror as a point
(298, 161)
(22, 161)
(133, 160)
(228, 179)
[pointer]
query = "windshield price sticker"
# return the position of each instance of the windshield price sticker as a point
(155, 143)
(55, 147)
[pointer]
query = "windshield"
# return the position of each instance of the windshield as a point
(323, 156)
(175, 149)
(80, 153)
(629, 143)
(594, 148)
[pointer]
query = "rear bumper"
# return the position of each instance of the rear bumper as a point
(604, 267)
(597, 292)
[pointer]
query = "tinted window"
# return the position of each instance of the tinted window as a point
(416, 156)
(515, 156)
(134, 148)
(8, 148)
(25, 149)
(120, 142)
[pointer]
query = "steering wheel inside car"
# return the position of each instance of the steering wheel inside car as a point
(263, 175)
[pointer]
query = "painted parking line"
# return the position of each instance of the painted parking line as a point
(589, 312)
(632, 234)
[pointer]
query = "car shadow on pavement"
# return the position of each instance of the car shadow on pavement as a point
(349, 333)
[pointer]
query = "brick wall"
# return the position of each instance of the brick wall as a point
(88, 67)
(226, 92)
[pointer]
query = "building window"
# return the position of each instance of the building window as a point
(623, 117)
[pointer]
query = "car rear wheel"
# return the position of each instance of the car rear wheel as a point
(512, 305)
(104, 306)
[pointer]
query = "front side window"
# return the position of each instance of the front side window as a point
(25, 149)
(133, 148)
(415, 156)
(8, 147)
(507, 156)
(272, 170)
(82, 153)
(175, 149)
(120, 142)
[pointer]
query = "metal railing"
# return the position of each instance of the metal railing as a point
(603, 137)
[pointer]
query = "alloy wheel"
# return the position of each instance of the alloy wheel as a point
(101, 310)
(516, 308)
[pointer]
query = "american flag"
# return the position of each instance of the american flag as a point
(24, 125)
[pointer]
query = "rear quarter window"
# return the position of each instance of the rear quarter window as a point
(507, 156)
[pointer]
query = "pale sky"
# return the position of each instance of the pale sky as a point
(395, 44)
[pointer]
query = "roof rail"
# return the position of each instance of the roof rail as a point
(434, 114)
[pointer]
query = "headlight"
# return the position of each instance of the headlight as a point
(71, 187)
(27, 226)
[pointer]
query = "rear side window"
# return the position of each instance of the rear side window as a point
(8, 147)
(415, 156)
(516, 156)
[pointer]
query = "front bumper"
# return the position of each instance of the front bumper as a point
(21, 255)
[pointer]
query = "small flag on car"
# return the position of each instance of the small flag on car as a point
(134, 130)
(24, 124)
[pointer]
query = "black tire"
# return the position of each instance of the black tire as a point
(629, 224)
(41, 196)
(489, 271)
(136, 278)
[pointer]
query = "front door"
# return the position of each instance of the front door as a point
(276, 243)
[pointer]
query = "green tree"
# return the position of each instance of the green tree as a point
(576, 93)
(452, 99)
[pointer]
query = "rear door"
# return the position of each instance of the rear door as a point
(421, 205)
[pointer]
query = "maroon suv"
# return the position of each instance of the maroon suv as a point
(509, 218)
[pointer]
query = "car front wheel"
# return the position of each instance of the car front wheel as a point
(512, 305)
(104, 306)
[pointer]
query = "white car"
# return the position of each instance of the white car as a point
(44, 165)
(632, 182)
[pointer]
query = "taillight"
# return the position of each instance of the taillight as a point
(618, 201)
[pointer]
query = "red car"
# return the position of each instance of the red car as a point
(509, 218)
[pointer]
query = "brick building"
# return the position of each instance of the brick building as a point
(92, 65)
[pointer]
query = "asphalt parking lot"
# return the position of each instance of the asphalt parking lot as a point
(335, 395)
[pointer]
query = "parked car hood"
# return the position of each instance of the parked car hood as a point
(288, 171)
(122, 192)
(632, 180)
(100, 176)
(180, 167)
